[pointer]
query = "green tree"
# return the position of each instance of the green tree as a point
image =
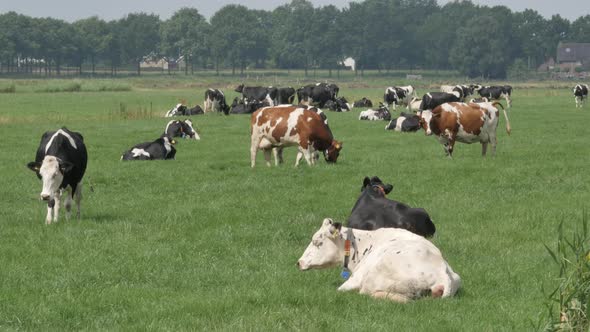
(580, 30)
(92, 36)
(139, 37)
(185, 34)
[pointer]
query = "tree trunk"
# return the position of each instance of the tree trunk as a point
(138, 68)
(186, 58)
(93, 64)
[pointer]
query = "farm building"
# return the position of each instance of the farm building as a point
(573, 55)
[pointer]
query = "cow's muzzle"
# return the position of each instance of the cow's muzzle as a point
(45, 197)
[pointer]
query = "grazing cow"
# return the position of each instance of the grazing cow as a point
(286, 125)
(463, 90)
(580, 93)
(434, 99)
(184, 129)
(495, 92)
(373, 210)
(159, 149)
(382, 113)
(338, 105)
(404, 123)
(398, 95)
(363, 102)
(239, 107)
(215, 102)
(387, 263)
(257, 93)
(60, 163)
(285, 96)
(182, 110)
(465, 123)
(317, 94)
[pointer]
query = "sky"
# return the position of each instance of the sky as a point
(71, 10)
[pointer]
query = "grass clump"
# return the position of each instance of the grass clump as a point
(72, 86)
(114, 87)
(10, 88)
(573, 292)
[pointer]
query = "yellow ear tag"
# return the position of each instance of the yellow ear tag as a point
(335, 234)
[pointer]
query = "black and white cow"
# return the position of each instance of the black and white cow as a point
(183, 110)
(181, 128)
(373, 210)
(215, 102)
(433, 99)
(382, 113)
(495, 92)
(363, 102)
(60, 163)
(406, 122)
(285, 96)
(398, 95)
(463, 90)
(239, 107)
(317, 94)
(159, 149)
(580, 94)
(257, 93)
(338, 105)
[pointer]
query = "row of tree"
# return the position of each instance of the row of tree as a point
(378, 34)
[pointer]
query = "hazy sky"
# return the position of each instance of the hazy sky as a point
(71, 10)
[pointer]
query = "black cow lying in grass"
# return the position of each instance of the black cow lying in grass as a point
(406, 122)
(373, 210)
(159, 149)
(363, 102)
(183, 110)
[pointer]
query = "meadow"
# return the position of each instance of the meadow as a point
(204, 242)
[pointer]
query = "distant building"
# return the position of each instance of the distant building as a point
(163, 63)
(573, 55)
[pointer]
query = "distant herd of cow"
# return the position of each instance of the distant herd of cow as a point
(383, 246)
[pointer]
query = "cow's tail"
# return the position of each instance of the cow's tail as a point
(508, 129)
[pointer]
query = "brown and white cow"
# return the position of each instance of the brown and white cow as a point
(465, 123)
(287, 125)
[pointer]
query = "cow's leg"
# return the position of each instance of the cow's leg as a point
(254, 143)
(278, 154)
(396, 297)
(78, 199)
(508, 101)
(450, 147)
(267, 156)
(308, 154)
(57, 199)
(49, 215)
(298, 158)
(68, 202)
(484, 148)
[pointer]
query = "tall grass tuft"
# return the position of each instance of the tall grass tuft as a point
(573, 292)
(74, 86)
(123, 113)
(114, 87)
(11, 88)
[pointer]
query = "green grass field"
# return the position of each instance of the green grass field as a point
(204, 242)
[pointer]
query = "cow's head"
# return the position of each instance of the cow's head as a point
(224, 107)
(326, 248)
(239, 88)
(331, 154)
(425, 117)
(51, 171)
(189, 130)
(376, 186)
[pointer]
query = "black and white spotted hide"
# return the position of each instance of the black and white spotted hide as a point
(181, 128)
(159, 149)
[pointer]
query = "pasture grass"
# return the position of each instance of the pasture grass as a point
(204, 242)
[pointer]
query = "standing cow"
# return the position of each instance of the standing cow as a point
(465, 123)
(317, 94)
(301, 126)
(387, 263)
(398, 95)
(60, 163)
(215, 102)
(580, 94)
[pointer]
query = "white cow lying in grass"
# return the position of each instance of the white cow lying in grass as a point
(386, 263)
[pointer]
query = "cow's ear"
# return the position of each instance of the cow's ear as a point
(366, 182)
(65, 166)
(34, 166)
(335, 230)
(387, 188)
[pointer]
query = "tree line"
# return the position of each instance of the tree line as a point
(477, 41)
